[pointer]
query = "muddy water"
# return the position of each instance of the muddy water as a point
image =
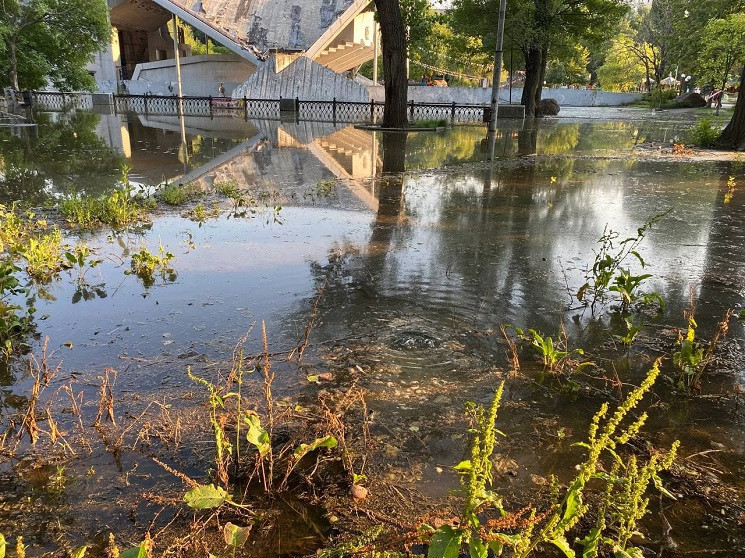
(419, 272)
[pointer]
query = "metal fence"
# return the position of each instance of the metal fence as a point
(265, 109)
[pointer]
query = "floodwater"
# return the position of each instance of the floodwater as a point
(415, 271)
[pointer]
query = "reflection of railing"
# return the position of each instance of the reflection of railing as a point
(271, 109)
(56, 101)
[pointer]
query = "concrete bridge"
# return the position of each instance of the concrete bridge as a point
(272, 43)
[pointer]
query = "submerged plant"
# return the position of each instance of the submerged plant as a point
(118, 209)
(555, 354)
(145, 265)
(15, 322)
(42, 255)
(692, 358)
(175, 194)
(607, 273)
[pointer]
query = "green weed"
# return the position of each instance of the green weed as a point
(704, 133)
(15, 322)
(42, 255)
(145, 265)
(607, 273)
(118, 209)
(229, 189)
(200, 213)
(174, 194)
(692, 358)
(625, 502)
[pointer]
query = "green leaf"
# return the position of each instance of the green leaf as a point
(445, 543)
(574, 504)
(562, 544)
(496, 547)
(476, 548)
(234, 535)
(303, 449)
(79, 552)
(256, 434)
(658, 485)
(206, 497)
(463, 466)
(590, 543)
(632, 552)
(136, 552)
(2, 545)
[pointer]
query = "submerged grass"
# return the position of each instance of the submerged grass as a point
(174, 194)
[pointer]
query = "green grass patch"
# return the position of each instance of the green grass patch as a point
(175, 194)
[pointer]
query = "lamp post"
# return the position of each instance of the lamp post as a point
(682, 82)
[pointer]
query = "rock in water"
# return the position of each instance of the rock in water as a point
(549, 107)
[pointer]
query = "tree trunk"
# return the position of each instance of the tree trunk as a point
(394, 63)
(533, 64)
(541, 79)
(733, 136)
(13, 64)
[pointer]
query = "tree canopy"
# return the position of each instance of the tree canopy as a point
(537, 28)
(52, 40)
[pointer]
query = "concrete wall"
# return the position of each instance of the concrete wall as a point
(304, 79)
(200, 75)
(481, 96)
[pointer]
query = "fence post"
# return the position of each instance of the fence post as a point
(452, 113)
(411, 110)
(145, 103)
(245, 108)
(209, 99)
(372, 111)
(333, 110)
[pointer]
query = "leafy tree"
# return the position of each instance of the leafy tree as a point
(723, 47)
(623, 70)
(51, 39)
(538, 28)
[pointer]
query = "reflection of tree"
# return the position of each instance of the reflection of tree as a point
(429, 150)
(723, 283)
(67, 154)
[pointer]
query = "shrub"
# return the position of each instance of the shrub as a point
(704, 133)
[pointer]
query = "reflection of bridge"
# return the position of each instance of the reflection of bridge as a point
(273, 152)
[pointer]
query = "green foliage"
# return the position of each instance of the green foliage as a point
(606, 273)
(704, 133)
(206, 497)
(256, 435)
(623, 506)
(690, 358)
(632, 330)
(553, 354)
(624, 66)
(604, 438)
(723, 47)
(174, 194)
(235, 536)
(475, 480)
(228, 188)
(660, 98)
(42, 255)
(51, 39)
(625, 501)
(118, 209)
(145, 265)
